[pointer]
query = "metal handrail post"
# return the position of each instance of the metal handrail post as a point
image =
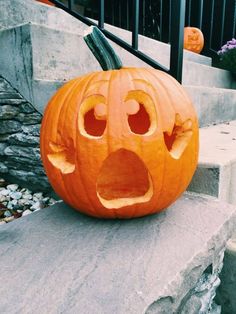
(177, 34)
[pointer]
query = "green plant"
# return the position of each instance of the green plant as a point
(227, 56)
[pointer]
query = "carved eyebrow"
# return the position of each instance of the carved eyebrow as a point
(145, 83)
(93, 88)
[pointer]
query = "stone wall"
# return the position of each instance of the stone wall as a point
(20, 160)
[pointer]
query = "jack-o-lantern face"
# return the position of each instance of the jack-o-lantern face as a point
(121, 143)
(193, 39)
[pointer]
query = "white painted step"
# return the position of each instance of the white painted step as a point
(27, 60)
(216, 172)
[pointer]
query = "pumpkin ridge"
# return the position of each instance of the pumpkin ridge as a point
(79, 170)
(123, 78)
(133, 76)
(163, 91)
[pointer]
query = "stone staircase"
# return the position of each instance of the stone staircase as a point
(41, 48)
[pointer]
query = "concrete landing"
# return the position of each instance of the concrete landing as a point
(59, 261)
(216, 172)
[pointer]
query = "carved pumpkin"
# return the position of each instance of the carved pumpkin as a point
(120, 143)
(193, 39)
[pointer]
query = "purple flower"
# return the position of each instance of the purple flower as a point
(231, 44)
(227, 55)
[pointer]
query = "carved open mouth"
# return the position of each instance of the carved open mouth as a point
(123, 180)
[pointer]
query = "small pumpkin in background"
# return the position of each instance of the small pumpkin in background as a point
(193, 39)
(122, 142)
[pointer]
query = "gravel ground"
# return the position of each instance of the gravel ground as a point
(16, 201)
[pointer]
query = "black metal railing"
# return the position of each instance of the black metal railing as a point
(162, 20)
(136, 21)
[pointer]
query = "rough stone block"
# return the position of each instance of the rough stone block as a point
(8, 112)
(3, 168)
(23, 161)
(23, 139)
(5, 86)
(65, 262)
(29, 118)
(26, 108)
(226, 294)
(33, 130)
(10, 95)
(28, 152)
(28, 179)
(11, 126)
(2, 148)
(15, 102)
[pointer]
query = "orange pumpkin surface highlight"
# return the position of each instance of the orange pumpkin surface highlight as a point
(193, 39)
(120, 143)
(46, 2)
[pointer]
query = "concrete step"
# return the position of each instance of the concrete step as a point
(216, 172)
(27, 58)
(28, 11)
(59, 261)
(213, 105)
(155, 49)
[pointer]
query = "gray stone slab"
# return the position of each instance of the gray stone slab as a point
(59, 261)
(226, 294)
(216, 172)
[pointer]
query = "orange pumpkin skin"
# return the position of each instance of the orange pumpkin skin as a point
(46, 2)
(120, 143)
(193, 39)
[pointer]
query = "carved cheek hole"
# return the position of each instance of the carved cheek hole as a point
(139, 122)
(177, 141)
(62, 157)
(92, 125)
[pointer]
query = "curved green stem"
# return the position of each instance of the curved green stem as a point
(101, 49)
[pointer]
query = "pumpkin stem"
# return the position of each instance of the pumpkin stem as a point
(101, 49)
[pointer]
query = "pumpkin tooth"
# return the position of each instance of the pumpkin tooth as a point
(187, 125)
(56, 148)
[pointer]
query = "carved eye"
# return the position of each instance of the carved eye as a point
(141, 112)
(92, 116)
